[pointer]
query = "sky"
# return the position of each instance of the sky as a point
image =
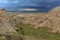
(32, 5)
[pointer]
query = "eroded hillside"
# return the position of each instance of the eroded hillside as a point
(50, 20)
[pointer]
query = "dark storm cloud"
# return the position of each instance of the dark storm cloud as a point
(28, 3)
(25, 2)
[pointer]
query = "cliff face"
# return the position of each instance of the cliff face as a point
(54, 16)
(5, 24)
(49, 20)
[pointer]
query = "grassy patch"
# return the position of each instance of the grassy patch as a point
(38, 33)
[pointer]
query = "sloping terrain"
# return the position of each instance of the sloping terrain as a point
(38, 26)
(6, 26)
(5, 23)
(50, 20)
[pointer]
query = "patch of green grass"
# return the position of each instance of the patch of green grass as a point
(38, 33)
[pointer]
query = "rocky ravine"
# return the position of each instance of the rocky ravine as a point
(49, 20)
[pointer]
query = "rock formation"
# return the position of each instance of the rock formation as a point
(6, 27)
(49, 20)
(54, 16)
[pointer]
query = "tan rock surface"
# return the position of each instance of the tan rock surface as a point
(50, 20)
(5, 24)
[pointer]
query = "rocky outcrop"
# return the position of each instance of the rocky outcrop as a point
(6, 27)
(49, 20)
(54, 16)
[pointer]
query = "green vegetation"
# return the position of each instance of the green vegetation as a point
(28, 30)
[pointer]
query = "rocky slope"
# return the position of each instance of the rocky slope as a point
(49, 20)
(7, 29)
